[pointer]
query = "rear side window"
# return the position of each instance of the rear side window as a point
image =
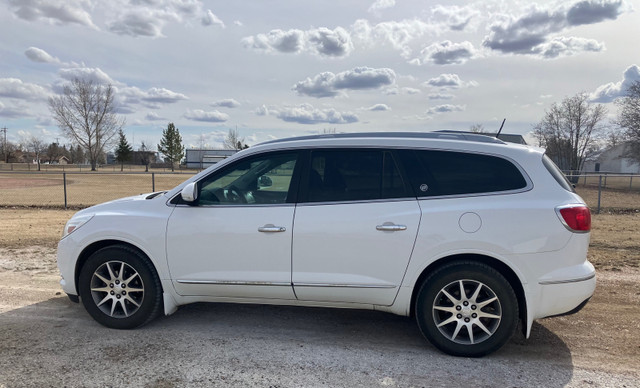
(438, 173)
(557, 174)
(353, 175)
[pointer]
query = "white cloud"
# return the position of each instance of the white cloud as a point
(153, 116)
(138, 23)
(226, 103)
(53, 11)
(307, 114)
(163, 96)
(328, 84)
(611, 91)
(397, 34)
(13, 111)
(456, 18)
(291, 41)
(446, 53)
(378, 108)
(210, 19)
(38, 55)
(446, 108)
(211, 117)
(379, 5)
(15, 88)
(90, 73)
(449, 81)
(528, 33)
(567, 46)
(320, 41)
(332, 43)
(440, 96)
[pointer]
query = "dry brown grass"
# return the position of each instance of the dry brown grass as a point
(47, 190)
(611, 200)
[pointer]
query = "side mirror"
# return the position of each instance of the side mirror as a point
(264, 181)
(189, 193)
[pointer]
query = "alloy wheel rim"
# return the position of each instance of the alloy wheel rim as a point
(467, 312)
(117, 289)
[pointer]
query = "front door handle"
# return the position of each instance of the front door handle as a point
(391, 227)
(270, 228)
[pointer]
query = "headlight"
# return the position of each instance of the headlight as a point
(74, 223)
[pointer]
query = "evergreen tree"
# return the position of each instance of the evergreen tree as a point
(123, 150)
(171, 145)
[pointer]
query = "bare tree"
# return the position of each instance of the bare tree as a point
(477, 128)
(629, 119)
(233, 141)
(145, 155)
(85, 114)
(35, 145)
(570, 129)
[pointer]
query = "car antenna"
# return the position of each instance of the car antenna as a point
(500, 130)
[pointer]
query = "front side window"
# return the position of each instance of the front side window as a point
(261, 180)
(353, 175)
(441, 173)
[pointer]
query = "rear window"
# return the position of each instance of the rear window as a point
(557, 174)
(440, 173)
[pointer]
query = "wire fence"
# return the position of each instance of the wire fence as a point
(615, 193)
(609, 192)
(79, 189)
(115, 168)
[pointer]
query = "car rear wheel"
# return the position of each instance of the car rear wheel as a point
(467, 309)
(120, 288)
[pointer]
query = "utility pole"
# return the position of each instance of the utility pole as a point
(4, 145)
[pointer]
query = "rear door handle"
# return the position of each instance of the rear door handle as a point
(390, 227)
(270, 228)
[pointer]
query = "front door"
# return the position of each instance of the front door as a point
(235, 241)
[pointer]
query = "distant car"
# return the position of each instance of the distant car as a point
(465, 232)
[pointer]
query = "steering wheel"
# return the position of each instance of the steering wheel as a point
(233, 194)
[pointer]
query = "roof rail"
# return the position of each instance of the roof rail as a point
(443, 134)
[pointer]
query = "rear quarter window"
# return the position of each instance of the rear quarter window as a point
(442, 173)
(557, 174)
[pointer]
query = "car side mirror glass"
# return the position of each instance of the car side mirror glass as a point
(189, 193)
(264, 181)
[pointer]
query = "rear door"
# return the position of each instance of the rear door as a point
(355, 228)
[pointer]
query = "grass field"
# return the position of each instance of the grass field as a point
(83, 189)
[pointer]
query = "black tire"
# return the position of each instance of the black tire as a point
(470, 325)
(119, 287)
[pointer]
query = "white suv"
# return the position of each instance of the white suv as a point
(465, 232)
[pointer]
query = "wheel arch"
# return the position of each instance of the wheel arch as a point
(496, 264)
(96, 246)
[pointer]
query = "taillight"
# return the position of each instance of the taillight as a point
(575, 218)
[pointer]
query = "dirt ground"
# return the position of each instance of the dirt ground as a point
(45, 340)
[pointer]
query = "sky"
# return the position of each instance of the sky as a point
(282, 68)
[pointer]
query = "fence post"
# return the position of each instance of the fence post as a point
(630, 182)
(64, 183)
(599, 192)
(605, 180)
(153, 182)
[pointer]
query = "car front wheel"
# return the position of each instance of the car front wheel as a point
(467, 309)
(120, 288)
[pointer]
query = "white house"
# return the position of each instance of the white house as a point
(612, 160)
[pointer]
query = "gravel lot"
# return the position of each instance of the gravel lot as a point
(48, 341)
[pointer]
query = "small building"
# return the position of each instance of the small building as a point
(614, 160)
(203, 158)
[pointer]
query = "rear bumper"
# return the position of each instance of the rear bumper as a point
(566, 295)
